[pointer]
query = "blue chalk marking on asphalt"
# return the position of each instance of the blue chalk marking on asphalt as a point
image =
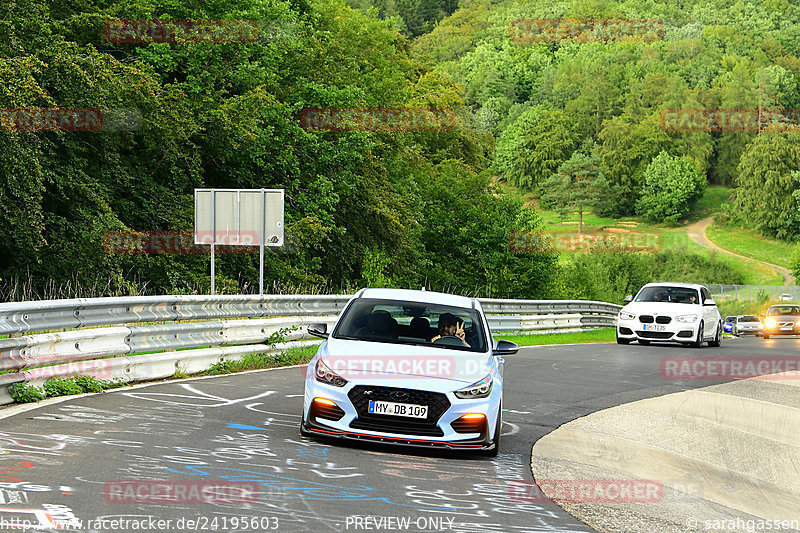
(301, 488)
(244, 426)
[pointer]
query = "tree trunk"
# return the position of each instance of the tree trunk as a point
(580, 221)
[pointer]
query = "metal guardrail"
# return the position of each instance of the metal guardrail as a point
(206, 330)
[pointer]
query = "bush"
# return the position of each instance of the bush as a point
(795, 262)
(24, 393)
(611, 275)
(672, 187)
(61, 387)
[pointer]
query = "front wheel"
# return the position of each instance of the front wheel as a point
(766, 335)
(698, 343)
(717, 342)
(622, 341)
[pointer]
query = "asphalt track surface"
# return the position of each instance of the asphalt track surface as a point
(68, 459)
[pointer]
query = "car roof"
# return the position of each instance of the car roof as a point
(428, 297)
(671, 284)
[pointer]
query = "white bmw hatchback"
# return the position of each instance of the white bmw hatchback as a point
(406, 367)
(672, 312)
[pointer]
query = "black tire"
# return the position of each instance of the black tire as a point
(497, 430)
(622, 341)
(717, 342)
(766, 335)
(643, 342)
(698, 343)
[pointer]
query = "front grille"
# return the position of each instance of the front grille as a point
(663, 319)
(655, 334)
(437, 404)
(646, 319)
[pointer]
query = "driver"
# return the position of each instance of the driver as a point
(450, 326)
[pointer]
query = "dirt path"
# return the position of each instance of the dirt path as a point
(697, 232)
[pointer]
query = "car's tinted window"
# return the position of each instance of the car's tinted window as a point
(778, 310)
(730, 318)
(402, 322)
(749, 318)
(666, 293)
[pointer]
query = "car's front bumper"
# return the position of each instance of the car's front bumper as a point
(449, 438)
(681, 332)
(782, 330)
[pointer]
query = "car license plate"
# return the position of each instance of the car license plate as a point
(654, 327)
(398, 409)
(787, 328)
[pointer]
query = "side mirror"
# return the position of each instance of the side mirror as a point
(709, 301)
(318, 330)
(628, 299)
(505, 348)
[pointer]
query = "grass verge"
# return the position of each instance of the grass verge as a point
(595, 335)
(749, 244)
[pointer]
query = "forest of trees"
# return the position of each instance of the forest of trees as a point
(380, 208)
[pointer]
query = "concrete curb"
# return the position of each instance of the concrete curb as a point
(723, 453)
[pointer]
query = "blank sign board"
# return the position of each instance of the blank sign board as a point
(238, 216)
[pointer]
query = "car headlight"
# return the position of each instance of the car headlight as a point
(770, 323)
(323, 374)
(691, 319)
(479, 389)
(626, 316)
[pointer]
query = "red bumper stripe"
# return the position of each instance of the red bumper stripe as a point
(396, 438)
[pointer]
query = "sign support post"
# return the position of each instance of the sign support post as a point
(213, 237)
(261, 237)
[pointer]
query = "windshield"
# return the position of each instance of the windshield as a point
(778, 310)
(730, 318)
(749, 318)
(681, 295)
(402, 322)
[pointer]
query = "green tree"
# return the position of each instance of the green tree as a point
(532, 148)
(671, 189)
(578, 184)
(768, 178)
(626, 148)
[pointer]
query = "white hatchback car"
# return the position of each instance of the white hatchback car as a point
(671, 312)
(406, 367)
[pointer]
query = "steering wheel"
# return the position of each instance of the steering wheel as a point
(450, 340)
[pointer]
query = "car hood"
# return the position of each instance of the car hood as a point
(663, 309)
(394, 364)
